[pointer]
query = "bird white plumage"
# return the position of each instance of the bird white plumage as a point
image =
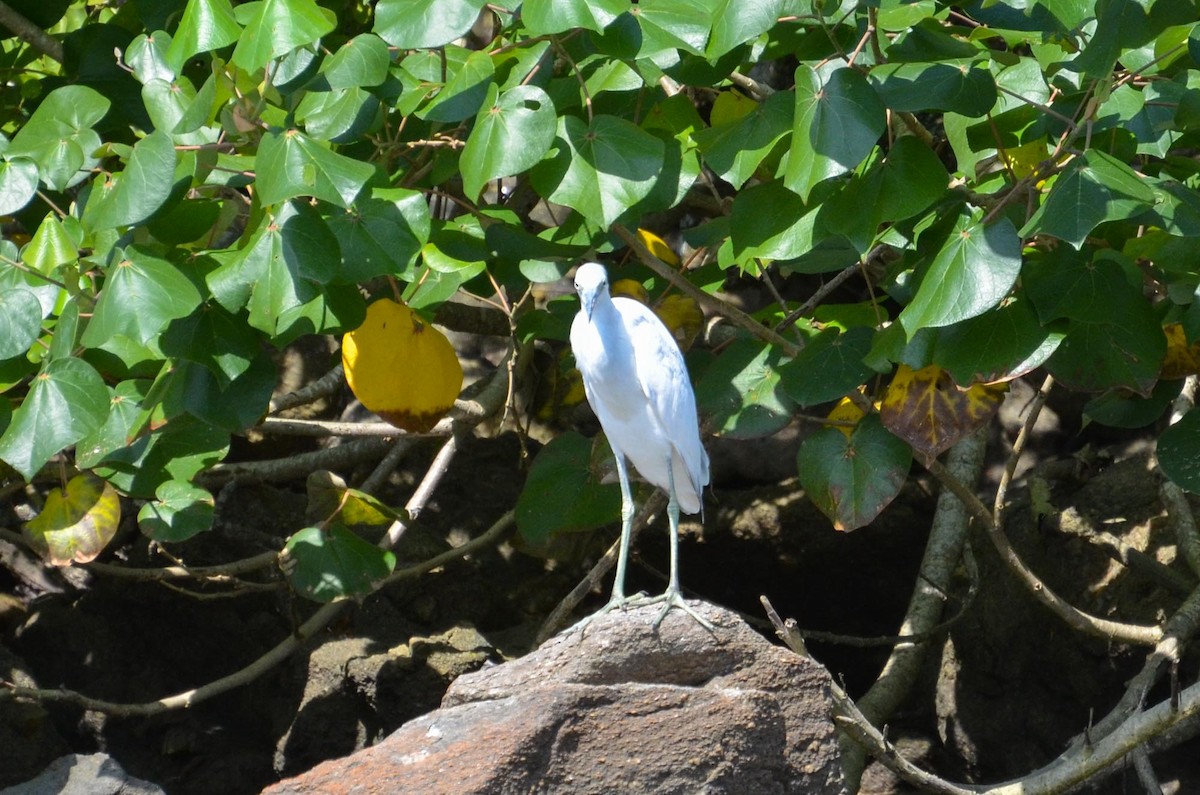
(637, 384)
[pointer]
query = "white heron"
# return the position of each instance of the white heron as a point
(637, 384)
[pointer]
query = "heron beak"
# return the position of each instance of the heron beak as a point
(587, 302)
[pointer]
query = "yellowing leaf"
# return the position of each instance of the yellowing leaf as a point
(76, 523)
(845, 411)
(631, 288)
(683, 318)
(401, 368)
(330, 498)
(927, 409)
(1024, 159)
(1182, 359)
(729, 106)
(658, 247)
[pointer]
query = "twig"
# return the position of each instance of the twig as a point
(324, 386)
(222, 571)
(492, 536)
(325, 428)
(299, 465)
(735, 315)
(1071, 615)
(1145, 771)
(820, 295)
(754, 89)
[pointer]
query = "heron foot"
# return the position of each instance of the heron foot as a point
(673, 598)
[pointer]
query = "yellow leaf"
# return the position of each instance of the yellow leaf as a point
(401, 368)
(729, 106)
(1023, 160)
(927, 409)
(1183, 359)
(683, 318)
(76, 523)
(658, 247)
(631, 288)
(845, 411)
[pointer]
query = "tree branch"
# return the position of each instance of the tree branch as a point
(30, 33)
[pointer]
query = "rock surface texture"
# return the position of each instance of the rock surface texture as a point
(84, 774)
(620, 707)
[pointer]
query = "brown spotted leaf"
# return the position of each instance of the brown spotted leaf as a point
(927, 409)
(76, 523)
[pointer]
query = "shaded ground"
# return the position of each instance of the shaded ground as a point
(1003, 694)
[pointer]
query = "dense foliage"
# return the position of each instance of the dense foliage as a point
(190, 186)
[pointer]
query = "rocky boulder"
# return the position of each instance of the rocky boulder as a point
(619, 707)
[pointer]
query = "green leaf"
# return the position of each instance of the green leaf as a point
(838, 120)
(563, 492)
(206, 25)
(177, 450)
(541, 17)
(18, 183)
(125, 401)
(908, 181)
(673, 24)
(76, 523)
(290, 164)
(1114, 338)
(276, 27)
(741, 393)
(146, 55)
(601, 169)
(973, 272)
(999, 345)
(215, 338)
(59, 136)
(736, 149)
(1095, 188)
(325, 565)
(51, 247)
(66, 401)
(133, 195)
(382, 234)
(362, 61)
(851, 479)
(338, 116)
(511, 134)
(738, 21)
(830, 366)
(1120, 409)
(329, 498)
(1179, 452)
(415, 24)
(20, 321)
(466, 86)
(178, 512)
(771, 222)
(964, 87)
(141, 295)
(232, 405)
(280, 270)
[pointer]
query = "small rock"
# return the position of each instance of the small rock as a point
(619, 708)
(80, 774)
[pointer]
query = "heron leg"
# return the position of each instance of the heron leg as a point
(618, 600)
(673, 596)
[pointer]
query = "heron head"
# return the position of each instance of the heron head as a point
(591, 282)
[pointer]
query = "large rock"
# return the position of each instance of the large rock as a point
(617, 708)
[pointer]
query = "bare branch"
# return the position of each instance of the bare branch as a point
(30, 33)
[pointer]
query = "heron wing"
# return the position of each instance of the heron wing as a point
(663, 377)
